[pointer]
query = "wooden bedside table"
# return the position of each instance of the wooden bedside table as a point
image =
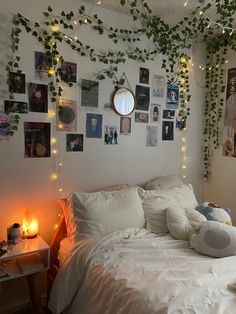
(27, 258)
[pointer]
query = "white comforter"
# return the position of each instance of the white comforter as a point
(138, 272)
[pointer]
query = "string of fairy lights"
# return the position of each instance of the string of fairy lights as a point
(56, 175)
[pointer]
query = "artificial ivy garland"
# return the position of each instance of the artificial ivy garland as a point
(172, 42)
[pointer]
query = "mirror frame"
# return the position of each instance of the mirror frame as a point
(113, 101)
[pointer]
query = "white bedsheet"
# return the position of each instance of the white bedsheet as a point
(136, 271)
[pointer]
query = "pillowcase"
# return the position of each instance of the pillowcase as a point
(164, 182)
(101, 213)
(67, 211)
(214, 239)
(156, 202)
(181, 222)
(214, 212)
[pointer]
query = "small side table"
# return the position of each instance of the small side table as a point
(27, 259)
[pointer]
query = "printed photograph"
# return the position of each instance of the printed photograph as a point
(125, 125)
(158, 86)
(110, 134)
(68, 72)
(180, 124)
(89, 94)
(66, 116)
(151, 136)
(37, 139)
(74, 142)
(167, 130)
(172, 96)
(155, 113)
(142, 96)
(42, 64)
(93, 125)
(17, 83)
(4, 127)
(229, 128)
(141, 117)
(38, 97)
(168, 114)
(144, 75)
(15, 106)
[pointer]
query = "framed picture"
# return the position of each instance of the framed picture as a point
(17, 83)
(141, 117)
(66, 118)
(74, 142)
(172, 96)
(158, 86)
(89, 95)
(110, 134)
(93, 125)
(144, 75)
(38, 97)
(68, 72)
(151, 136)
(155, 113)
(42, 64)
(125, 125)
(168, 114)
(15, 106)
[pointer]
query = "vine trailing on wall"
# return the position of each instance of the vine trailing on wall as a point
(174, 43)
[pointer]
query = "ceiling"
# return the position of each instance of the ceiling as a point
(171, 11)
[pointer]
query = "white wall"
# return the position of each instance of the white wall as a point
(220, 187)
(25, 182)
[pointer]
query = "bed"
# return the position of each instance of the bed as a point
(119, 256)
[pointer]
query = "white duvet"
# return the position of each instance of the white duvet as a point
(138, 272)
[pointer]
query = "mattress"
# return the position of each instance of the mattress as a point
(136, 271)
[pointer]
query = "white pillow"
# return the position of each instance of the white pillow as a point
(215, 239)
(156, 202)
(181, 222)
(164, 182)
(101, 213)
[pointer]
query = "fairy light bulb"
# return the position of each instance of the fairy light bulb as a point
(231, 33)
(85, 21)
(54, 176)
(209, 25)
(55, 226)
(75, 22)
(223, 31)
(54, 28)
(186, 3)
(53, 140)
(201, 13)
(54, 151)
(183, 148)
(99, 2)
(60, 190)
(51, 72)
(226, 61)
(60, 164)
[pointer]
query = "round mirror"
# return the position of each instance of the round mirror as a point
(123, 101)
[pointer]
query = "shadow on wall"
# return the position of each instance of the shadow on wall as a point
(5, 53)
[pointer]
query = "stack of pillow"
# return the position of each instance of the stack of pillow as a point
(165, 205)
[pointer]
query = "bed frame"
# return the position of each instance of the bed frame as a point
(59, 234)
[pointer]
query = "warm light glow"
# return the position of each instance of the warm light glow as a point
(53, 140)
(184, 167)
(183, 148)
(75, 22)
(85, 21)
(223, 31)
(209, 25)
(99, 2)
(201, 13)
(55, 226)
(60, 126)
(54, 151)
(231, 33)
(51, 72)
(29, 225)
(184, 176)
(183, 139)
(60, 190)
(54, 28)
(183, 60)
(54, 176)
(226, 61)
(60, 164)
(75, 37)
(186, 3)
(51, 113)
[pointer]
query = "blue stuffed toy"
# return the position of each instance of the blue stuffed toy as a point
(214, 212)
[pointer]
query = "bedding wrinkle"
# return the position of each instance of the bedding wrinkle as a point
(138, 272)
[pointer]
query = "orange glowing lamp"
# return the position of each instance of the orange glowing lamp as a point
(30, 225)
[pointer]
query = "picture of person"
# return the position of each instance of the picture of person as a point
(15, 106)
(42, 64)
(110, 135)
(172, 97)
(141, 117)
(93, 125)
(17, 83)
(158, 86)
(38, 97)
(68, 71)
(168, 114)
(74, 142)
(144, 75)
(167, 130)
(142, 96)
(125, 125)
(155, 113)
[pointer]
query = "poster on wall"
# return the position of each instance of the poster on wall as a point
(17, 83)
(142, 96)
(167, 130)
(144, 75)
(38, 97)
(74, 142)
(172, 101)
(141, 117)
(68, 72)
(89, 94)
(151, 136)
(229, 130)
(11, 106)
(66, 116)
(155, 113)
(125, 125)
(93, 125)
(168, 114)
(158, 86)
(110, 134)
(42, 64)
(4, 127)
(37, 139)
